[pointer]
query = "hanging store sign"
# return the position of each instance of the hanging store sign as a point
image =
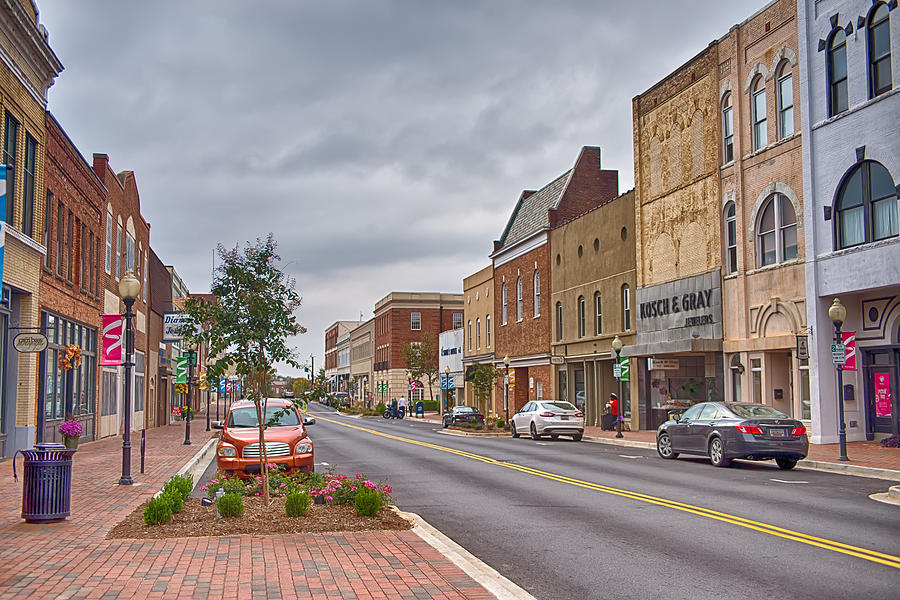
(30, 342)
(111, 340)
(172, 322)
(802, 347)
(663, 364)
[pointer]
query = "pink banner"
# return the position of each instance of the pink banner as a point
(882, 395)
(848, 338)
(111, 340)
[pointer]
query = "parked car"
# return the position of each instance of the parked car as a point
(287, 443)
(728, 430)
(462, 414)
(340, 399)
(548, 417)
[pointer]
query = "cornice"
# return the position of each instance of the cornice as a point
(33, 48)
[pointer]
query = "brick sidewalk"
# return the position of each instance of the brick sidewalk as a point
(72, 559)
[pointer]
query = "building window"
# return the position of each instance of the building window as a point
(457, 320)
(415, 321)
(598, 308)
(777, 238)
(559, 322)
(736, 369)
(60, 239)
(70, 247)
(626, 308)
(503, 304)
(785, 101)
(84, 378)
(519, 299)
(109, 232)
(760, 134)
(879, 33)
(147, 268)
(537, 294)
(866, 206)
(470, 335)
(581, 326)
(756, 376)
(837, 72)
(48, 222)
(10, 141)
(478, 333)
(90, 264)
(730, 238)
(129, 252)
(727, 130)
(138, 381)
(119, 251)
(83, 264)
(487, 330)
(28, 197)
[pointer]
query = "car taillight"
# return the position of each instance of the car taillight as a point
(749, 429)
(579, 415)
(547, 414)
(798, 431)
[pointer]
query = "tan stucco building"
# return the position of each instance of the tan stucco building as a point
(478, 344)
(592, 276)
(362, 360)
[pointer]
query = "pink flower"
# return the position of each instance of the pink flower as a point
(329, 498)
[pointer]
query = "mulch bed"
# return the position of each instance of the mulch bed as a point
(200, 521)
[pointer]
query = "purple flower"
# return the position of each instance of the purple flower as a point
(72, 428)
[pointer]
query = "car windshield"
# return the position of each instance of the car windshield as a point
(560, 405)
(464, 409)
(285, 416)
(756, 411)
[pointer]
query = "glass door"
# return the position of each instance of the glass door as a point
(881, 367)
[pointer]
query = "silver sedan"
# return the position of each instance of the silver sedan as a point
(548, 417)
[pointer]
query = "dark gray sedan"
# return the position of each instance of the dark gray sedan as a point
(728, 430)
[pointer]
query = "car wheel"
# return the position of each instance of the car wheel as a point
(717, 453)
(554, 436)
(512, 429)
(534, 433)
(577, 437)
(786, 464)
(664, 446)
(446, 424)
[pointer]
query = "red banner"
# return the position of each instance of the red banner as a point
(111, 340)
(849, 340)
(882, 395)
(176, 411)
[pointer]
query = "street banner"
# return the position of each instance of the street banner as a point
(625, 368)
(882, 395)
(228, 387)
(512, 377)
(181, 369)
(3, 201)
(849, 339)
(111, 340)
(223, 387)
(201, 380)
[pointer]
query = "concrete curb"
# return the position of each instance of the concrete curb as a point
(892, 496)
(615, 442)
(459, 433)
(498, 585)
(198, 463)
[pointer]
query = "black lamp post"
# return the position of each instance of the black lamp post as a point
(191, 356)
(129, 288)
(837, 313)
(617, 347)
(506, 388)
(209, 363)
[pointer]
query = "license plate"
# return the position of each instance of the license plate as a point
(777, 432)
(564, 418)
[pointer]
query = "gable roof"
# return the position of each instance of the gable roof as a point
(530, 213)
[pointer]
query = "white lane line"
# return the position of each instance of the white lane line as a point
(629, 456)
(786, 481)
(542, 443)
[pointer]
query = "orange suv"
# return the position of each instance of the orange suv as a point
(287, 444)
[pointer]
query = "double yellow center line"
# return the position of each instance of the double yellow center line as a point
(788, 534)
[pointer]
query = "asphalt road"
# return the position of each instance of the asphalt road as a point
(583, 520)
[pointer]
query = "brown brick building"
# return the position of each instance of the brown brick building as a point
(405, 317)
(72, 282)
(521, 273)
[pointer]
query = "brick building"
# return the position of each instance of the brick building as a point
(337, 355)
(160, 353)
(521, 273)
(28, 69)
(72, 282)
(127, 237)
(406, 317)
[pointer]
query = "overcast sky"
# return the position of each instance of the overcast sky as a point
(384, 143)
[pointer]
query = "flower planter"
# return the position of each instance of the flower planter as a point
(70, 442)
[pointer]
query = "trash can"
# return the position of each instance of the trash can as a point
(47, 483)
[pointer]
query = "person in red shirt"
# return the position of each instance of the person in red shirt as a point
(613, 405)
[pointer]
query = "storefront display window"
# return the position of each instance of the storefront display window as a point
(805, 396)
(756, 373)
(84, 378)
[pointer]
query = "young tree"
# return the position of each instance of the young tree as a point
(301, 385)
(484, 378)
(248, 324)
(422, 360)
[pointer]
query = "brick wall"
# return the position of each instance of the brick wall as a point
(531, 335)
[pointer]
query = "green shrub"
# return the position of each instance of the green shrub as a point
(427, 405)
(500, 422)
(367, 502)
(296, 504)
(174, 499)
(157, 511)
(230, 505)
(231, 484)
(181, 485)
(380, 408)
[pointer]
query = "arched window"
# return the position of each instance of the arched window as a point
(581, 326)
(626, 308)
(537, 294)
(758, 105)
(837, 72)
(879, 34)
(598, 308)
(478, 333)
(785, 100)
(866, 206)
(519, 299)
(559, 322)
(776, 238)
(730, 238)
(487, 330)
(727, 130)
(503, 304)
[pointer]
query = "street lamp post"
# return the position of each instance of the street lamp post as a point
(837, 313)
(129, 288)
(209, 363)
(506, 388)
(191, 354)
(617, 347)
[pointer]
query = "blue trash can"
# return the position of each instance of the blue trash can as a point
(47, 483)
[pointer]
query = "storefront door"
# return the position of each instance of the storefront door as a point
(881, 373)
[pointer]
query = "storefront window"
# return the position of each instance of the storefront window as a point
(563, 385)
(756, 372)
(805, 412)
(84, 378)
(736, 370)
(579, 388)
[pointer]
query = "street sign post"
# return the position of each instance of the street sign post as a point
(617, 370)
(838, 354)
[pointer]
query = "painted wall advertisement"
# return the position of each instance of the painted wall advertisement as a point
(882, 395)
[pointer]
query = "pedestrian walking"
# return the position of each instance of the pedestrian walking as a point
(403, 404)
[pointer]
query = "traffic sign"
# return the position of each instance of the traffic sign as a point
(838, 354)
(617, 370)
